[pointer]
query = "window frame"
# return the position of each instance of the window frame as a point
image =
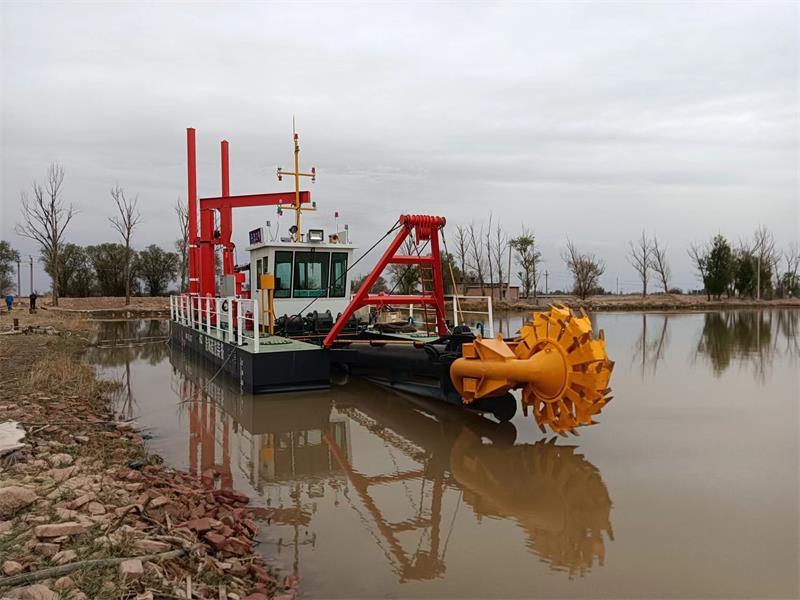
(325, 274)
(331, 279)
(283, 292)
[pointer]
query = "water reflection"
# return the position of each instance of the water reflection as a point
(748, 338)
(119, 343)
(651, 344)
(297, 450)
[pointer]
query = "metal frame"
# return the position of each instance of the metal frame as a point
(424, 228)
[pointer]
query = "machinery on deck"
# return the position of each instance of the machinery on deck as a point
(278, 343)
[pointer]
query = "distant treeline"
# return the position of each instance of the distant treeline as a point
(99, 270)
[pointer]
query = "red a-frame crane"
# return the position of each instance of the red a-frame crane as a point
(201, 247)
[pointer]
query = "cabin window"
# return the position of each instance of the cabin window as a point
(259, 273)
(338, 274)
(283, 274)
(311, 274)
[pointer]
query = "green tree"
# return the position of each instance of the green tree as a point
(405, 277)
(8, 256)
(156, 269)
(108, 261)
(745, 272)
(528, 259)
(75, 272)
(379, 286)
(719, 266)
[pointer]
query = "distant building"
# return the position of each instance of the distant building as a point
(496, 291)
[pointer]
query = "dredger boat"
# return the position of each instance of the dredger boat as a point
(282, 320)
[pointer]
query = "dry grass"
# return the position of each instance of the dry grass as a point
(61, 372)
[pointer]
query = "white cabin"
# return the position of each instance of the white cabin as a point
(303, 270)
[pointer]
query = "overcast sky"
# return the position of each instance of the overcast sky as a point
(592, 121)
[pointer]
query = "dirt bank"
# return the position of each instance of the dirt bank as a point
(86, 512)
(653, 302)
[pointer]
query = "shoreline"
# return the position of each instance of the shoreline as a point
(87, 512)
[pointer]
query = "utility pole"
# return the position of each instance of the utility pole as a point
(617, 285)
(19, 279)
(546, 274)
(31, 258)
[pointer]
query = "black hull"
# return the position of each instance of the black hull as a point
(256, 373)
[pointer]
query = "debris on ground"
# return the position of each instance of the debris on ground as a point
(86, 512)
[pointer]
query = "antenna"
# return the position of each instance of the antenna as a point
(297, 175)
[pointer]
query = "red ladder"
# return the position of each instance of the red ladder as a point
(425, 228)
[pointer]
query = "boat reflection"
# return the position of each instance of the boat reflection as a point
(297, 452)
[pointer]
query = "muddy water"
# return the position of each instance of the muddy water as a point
(687, 488)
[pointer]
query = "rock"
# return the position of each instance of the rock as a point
(60, 475)
(12, 567)
(199, 525)
(95, 508)
(15, 497)
(63, 583)
(231, 495)
(238, 546)
(131, 569)
(256, 596)
(216, 540)
(54, 530)
(60, 460)
(38, 592)
(66, 514)
(78, 502)
(5, 527)
(46, 549)
(151, 546)
(64, 557)
(159, 502)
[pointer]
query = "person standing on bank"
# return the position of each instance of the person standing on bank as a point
(32, 301)
(9, 302)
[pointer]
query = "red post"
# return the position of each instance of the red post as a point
(226, 188)
(226, 216)
(191, 162)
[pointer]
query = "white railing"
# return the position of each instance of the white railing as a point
(458, 310)
(247, 313)
(489, 312)
(215, 317)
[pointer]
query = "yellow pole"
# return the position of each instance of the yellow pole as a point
(271, 295)
(263, 310)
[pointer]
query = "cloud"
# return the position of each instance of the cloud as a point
(593, 121)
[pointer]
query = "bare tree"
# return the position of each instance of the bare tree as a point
(659, 264)
(45, 218)
(766, 255)
(129, 217)
(477, 259)
(792, 258)
(699, 255)
(462, 252)
(489, 255)
(640, 260)
(586, 269)
(182, 243)
(499, 247)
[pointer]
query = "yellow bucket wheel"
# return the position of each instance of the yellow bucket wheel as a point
(562, 369)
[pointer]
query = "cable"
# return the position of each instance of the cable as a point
(387, 234)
